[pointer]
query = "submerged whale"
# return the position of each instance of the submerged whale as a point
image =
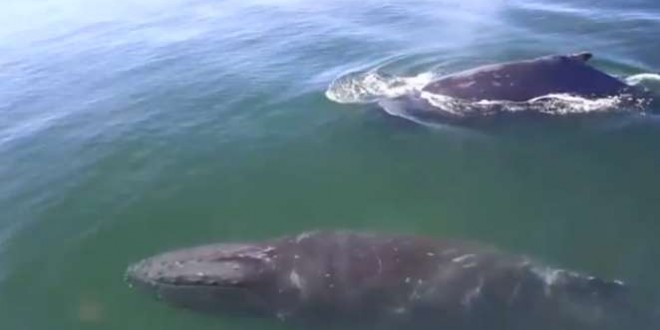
(493, 89)
(391, 281)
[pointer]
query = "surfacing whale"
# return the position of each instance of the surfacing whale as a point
(524, 80)
(519, 85)
(390, 281)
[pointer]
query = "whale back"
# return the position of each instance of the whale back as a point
(524, 80)
(400, 280)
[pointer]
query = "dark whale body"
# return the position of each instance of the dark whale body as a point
(524, 80)
(528, 88)
(384, 280)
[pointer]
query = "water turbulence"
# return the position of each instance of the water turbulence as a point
(372, 86)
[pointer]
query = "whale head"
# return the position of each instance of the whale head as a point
(227, 278)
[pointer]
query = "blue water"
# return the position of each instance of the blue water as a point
(128, 128)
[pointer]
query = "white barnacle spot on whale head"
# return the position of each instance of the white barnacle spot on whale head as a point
(449, 252)
(550, 276)
(399, 310)
(266, 253)
(296, 281)
(463, 258)
(470, 264)
(282, 316)
(466, 84)
(472, 294)
(514, 294)
(304, 236)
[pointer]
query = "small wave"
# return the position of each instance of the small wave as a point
(400, 109)
(651, 81)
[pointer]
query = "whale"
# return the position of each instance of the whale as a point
(506, 88)
(384, 281)
(524, 80)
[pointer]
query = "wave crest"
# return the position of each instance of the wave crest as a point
(650, 81)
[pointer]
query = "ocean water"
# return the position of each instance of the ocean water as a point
(131, 127)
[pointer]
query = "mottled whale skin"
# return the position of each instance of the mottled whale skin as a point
(390, 281)
(524, 80)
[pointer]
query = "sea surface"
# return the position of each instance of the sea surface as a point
(132, 127)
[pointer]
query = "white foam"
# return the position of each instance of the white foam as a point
(370, 86)
(446, 103)
(563, 104)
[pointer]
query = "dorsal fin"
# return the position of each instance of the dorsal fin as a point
(582, 57)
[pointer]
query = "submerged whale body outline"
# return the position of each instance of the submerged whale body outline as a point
(392, 281)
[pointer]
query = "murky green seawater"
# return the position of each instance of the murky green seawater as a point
(130, 128)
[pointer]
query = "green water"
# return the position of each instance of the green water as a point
(131, 129)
